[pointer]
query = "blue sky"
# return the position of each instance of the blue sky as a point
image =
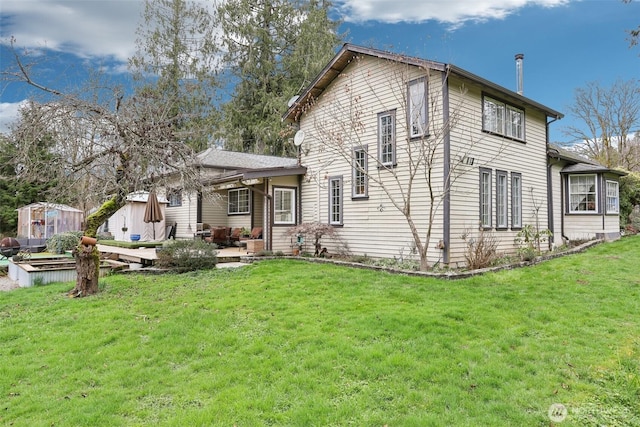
(566, 43)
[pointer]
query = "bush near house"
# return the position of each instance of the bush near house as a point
(187, 255)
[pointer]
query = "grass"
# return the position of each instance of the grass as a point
(291, 343)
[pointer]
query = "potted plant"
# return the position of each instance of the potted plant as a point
(245, 232)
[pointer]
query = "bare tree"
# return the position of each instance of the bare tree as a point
(343, 129)
(609, 117)
(634, 35)
(104, 145)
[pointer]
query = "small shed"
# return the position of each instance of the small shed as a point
(129, 219)
(42, 220)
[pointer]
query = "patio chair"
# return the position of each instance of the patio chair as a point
(256, 233)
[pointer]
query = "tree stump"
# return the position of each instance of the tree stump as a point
(87, 266)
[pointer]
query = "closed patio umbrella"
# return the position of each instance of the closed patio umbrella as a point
(152, 211)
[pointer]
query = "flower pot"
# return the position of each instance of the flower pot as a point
(88, 241)
(134, 237)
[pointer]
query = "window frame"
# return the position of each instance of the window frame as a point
(411, 107)
(229, 201)
(516, 200)
(498, 118)
(292, 210)
(586, 194)
(486, 198)
(336, 200)
(174, 196)
(502, 200)
(616, 198)
(391, 114)
(360, 172)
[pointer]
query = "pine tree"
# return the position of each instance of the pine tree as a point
(273, 48)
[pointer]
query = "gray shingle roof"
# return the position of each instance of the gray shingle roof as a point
(224, 159)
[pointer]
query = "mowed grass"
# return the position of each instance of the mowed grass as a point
(291, 343)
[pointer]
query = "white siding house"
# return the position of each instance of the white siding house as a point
(396, 146)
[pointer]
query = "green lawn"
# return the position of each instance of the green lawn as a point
(292, 343)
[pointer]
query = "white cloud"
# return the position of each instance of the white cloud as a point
(8, 114)
(85, 28)
(454, 12)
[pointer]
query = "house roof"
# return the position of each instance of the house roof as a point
(348, 52)
(232, 160)
(578, 163)
(50, 206)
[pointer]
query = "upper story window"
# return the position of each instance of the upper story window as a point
(238, 201)
(335, 200)
(583, 194)
(387, 138)
(613, 197)
(503, 119)
(417, 108)
(174, 196)
(485, 198)
(360, 179)
(284, 205)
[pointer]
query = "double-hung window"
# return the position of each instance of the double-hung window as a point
(360, 177)
(335, 200)
(175, 197)
(501, 199)
(613, 197)
(516, 200)
(583, 194)
(417, 108)
(485, 198)
(238, 201)
(387, 138)
(503, 119)
(284, 206)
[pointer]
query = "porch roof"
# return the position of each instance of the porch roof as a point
(254, 176)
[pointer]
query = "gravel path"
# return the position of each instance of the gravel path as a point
(7, 284)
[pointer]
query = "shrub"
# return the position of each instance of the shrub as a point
(187, 255)
(59, 243)
(481, 251)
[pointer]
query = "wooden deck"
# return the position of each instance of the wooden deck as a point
(146, 256)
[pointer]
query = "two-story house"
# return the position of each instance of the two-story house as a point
(406, 155)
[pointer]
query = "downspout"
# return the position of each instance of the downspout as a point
(298, 219)
(446, 203)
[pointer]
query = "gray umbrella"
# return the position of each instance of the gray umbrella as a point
(152, 211)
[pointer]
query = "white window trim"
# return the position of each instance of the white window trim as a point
(360, 172)
(595, 192)
(502, 200)
(422, 116)
(336, 180)
(392, 115)
(516, 200)
(292, 211)
(486, 198)
(616, 208)
(239, 212)
(497, 118)
(174, 196)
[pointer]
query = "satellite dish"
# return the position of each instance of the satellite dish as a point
(298, 138)
(292, 100)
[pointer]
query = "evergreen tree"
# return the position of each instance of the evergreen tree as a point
(273, 48)
(176, 62)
